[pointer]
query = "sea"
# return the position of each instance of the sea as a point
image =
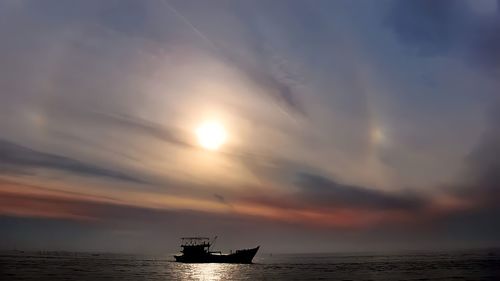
(456, 265)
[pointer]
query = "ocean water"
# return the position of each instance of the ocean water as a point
(464, 265)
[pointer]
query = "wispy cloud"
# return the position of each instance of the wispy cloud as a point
(322, 191)
(19, 157)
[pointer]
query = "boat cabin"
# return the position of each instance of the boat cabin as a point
(195, 245)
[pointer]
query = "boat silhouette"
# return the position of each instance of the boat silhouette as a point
(197, 250)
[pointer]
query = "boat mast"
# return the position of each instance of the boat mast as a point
(212, 243)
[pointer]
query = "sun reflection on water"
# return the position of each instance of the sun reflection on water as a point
(209, 271)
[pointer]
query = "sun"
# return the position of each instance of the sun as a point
(211, 135)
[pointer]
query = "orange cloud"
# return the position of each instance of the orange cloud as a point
(26, 200)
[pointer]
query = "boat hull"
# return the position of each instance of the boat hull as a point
(240, 256)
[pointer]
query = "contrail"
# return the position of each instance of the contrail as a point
(188, 23)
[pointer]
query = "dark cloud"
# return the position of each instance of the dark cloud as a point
(326, 195)
(478, 188)
(327, 192)
(280, 91)
(447, 27)
(484, 165)
(145, 127)
(21, 158)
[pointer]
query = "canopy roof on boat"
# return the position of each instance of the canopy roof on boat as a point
(195, 241)
(195, 238)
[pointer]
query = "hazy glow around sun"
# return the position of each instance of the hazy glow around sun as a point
(211, 135)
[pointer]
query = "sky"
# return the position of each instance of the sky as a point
(350, 125)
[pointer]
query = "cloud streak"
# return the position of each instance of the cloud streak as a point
(326, 192)
(14, 156)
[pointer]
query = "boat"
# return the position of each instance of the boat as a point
(197, 250)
